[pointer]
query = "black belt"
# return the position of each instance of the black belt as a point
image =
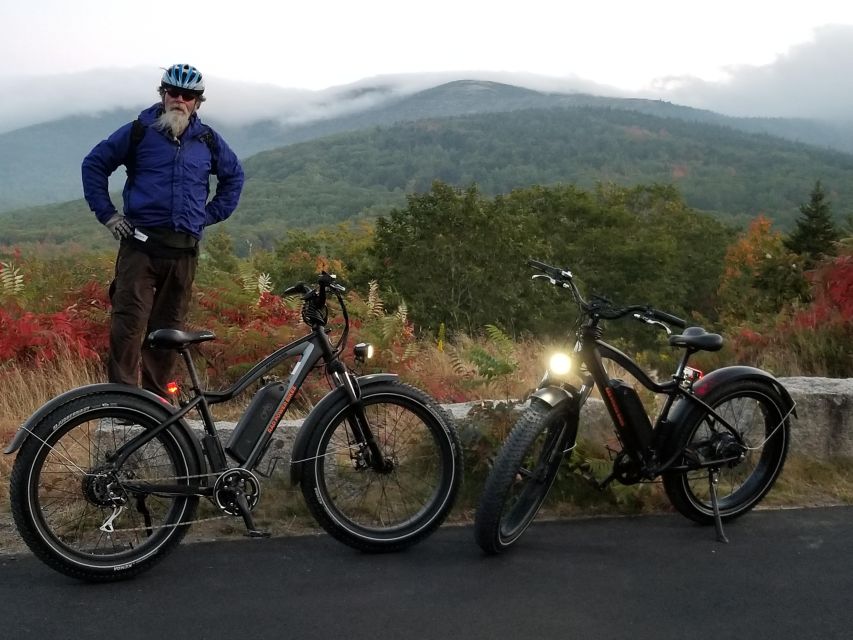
(157, 250)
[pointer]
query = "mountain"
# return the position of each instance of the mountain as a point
(40, 164)
(729, 173)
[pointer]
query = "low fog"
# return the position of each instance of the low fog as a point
(811, 80)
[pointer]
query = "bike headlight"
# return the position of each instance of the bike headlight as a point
(560, 364)
(363, 351)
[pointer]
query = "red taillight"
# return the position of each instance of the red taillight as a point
(172, 388)
(692, 374)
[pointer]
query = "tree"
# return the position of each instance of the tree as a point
(448, 256)
(219, 252)
(760, 276)
(459, 258)
(815, 232)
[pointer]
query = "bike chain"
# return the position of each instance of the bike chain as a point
(177, 524)
(201, 475)
(206, 475)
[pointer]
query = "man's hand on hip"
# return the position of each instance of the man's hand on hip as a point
(119, 226)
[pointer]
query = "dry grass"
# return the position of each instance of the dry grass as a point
(25, 390)
(811, 482)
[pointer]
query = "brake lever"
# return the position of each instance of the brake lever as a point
(643, 318)
(548, 278)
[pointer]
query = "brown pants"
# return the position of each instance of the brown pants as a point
(148, 293)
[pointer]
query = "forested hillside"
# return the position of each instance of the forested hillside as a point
(728, 173)
(40, 164)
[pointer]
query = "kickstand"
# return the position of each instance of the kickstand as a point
(713, 479)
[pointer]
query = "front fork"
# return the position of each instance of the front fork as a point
(358, 422)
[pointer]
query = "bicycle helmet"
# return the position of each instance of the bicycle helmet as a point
(183, 76)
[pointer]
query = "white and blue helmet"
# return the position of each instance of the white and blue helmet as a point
(183, 76)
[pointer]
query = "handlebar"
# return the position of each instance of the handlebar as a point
(314, 311)
(602, 307)
(324, 281)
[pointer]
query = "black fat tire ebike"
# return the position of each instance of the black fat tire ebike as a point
(108, 476)
(719, 442)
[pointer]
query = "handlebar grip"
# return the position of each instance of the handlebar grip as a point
(554, 272)
(299, 288)
(666, 317)
(538, 265)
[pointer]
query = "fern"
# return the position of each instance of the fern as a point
(11, 278)
(264, 283)
(390, 327)
(458, 362)
(411, 351)
(402, 313)
(248, 277)
(501, 340)
(375, 308)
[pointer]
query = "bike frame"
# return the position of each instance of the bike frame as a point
(595, 352)
(310, 350)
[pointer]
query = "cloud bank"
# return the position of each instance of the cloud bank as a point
(811, 80)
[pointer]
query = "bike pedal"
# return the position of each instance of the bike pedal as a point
(256, 533)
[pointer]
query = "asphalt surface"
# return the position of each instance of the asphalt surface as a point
(784, 575)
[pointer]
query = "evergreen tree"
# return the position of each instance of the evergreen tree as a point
(815, 232)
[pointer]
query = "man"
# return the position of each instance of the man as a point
(169, 156)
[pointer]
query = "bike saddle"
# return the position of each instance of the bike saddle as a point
(698, 339)
(175, 339)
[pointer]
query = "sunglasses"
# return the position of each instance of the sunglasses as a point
(186, 95)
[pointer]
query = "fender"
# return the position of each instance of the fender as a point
(680, 411)
(737, 373)
(552, 396)
(156, 401)
(300, 443)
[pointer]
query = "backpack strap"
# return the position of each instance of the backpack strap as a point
(213, 146)
(137, 132)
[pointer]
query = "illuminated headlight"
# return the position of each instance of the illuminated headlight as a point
(363, 351)
(560, 364)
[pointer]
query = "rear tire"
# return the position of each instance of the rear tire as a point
(380, 512)
(756, 411)
(63, 492)
(523, 473)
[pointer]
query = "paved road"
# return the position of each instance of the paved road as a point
(785, 575)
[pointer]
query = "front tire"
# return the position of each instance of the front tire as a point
(65, 496)
(758, 414)
(384, 511)
(524, 471)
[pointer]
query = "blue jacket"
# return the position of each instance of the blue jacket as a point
(170, 185)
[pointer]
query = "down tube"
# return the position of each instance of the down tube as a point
(311, 354)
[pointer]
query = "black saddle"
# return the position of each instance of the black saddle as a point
(175, 339)
(697, 339)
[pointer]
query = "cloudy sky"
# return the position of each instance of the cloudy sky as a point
(745, 57)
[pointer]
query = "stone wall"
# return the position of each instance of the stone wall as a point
(823, 427)
(824, 424)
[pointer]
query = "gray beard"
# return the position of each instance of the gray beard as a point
(174, 121)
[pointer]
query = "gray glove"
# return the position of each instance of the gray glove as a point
(119, 226)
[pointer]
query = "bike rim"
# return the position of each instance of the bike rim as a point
(395, 504)
(69, 498)
(757, 418)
